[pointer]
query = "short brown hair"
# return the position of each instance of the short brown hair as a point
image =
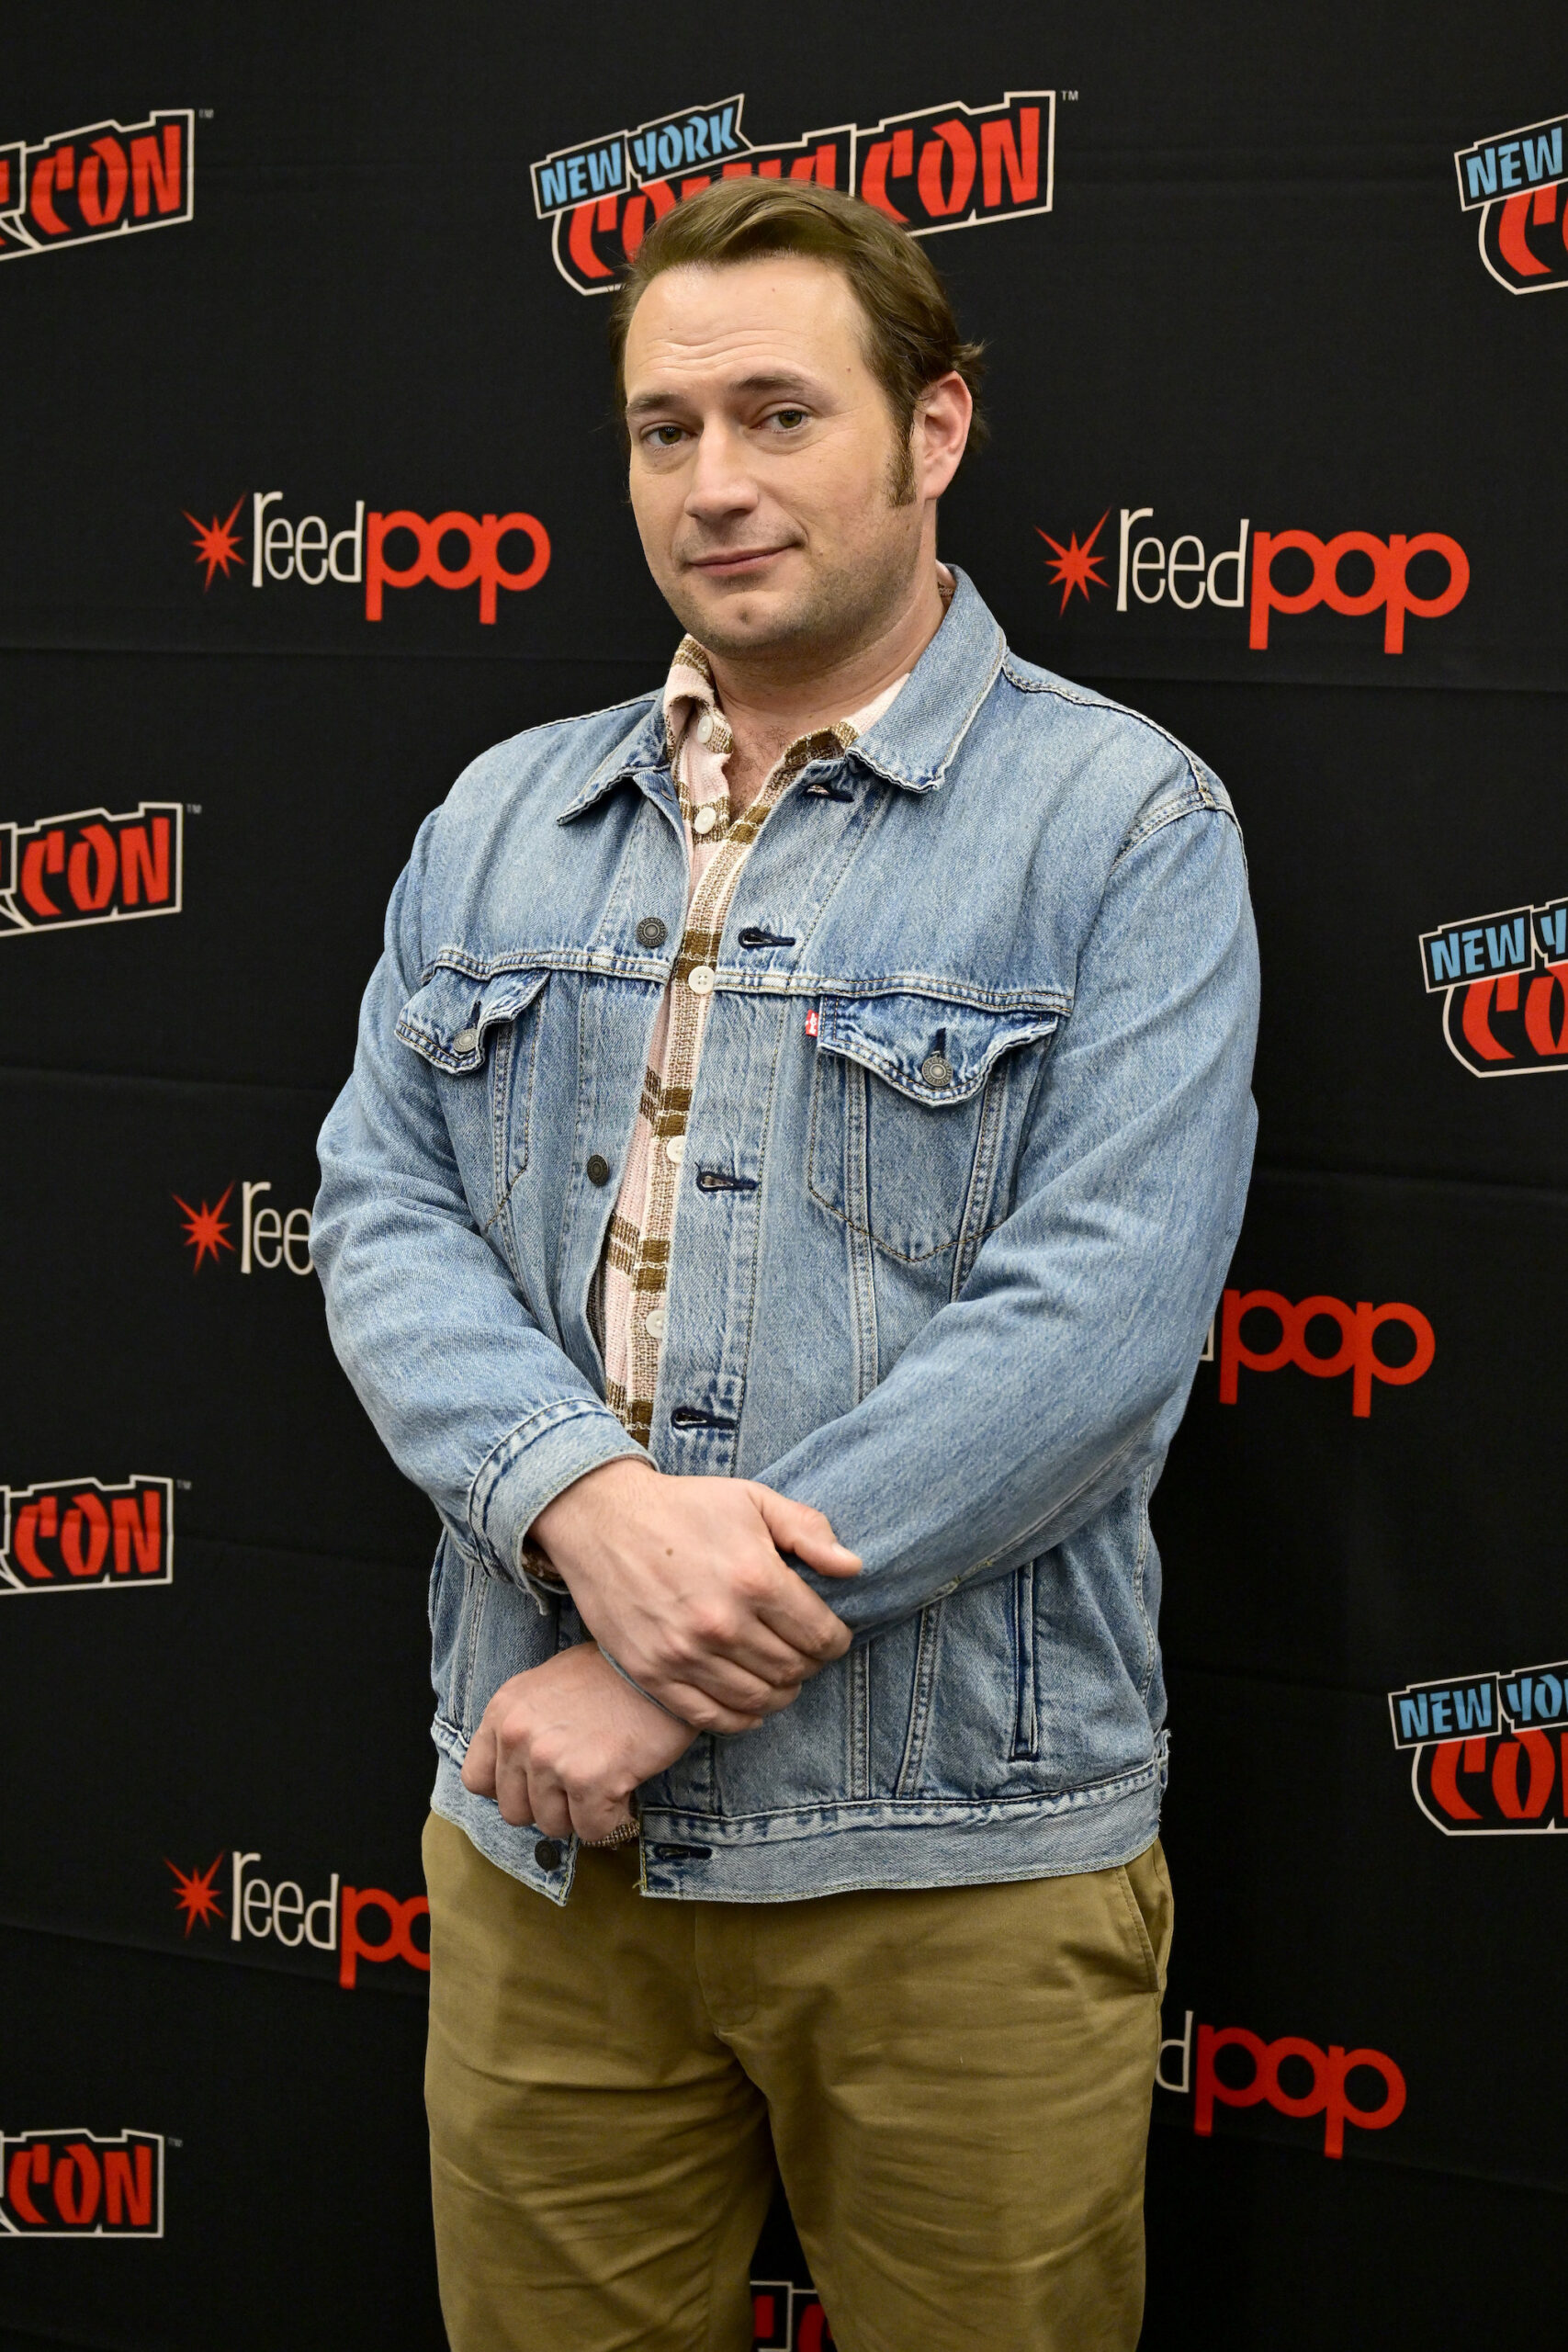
(911, 335)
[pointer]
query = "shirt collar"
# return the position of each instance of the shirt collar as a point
(910, 743)
(691, 698)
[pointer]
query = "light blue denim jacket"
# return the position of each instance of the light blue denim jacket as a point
(959, 1313)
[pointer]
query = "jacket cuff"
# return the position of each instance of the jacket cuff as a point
(529, 1468)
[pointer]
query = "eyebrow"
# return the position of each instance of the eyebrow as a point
(782, 382)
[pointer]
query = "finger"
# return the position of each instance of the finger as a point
(756, 1654)
(799, 1527)
(551, 1809)
(512, 1794)
(801, 1618)
(720, 1682)
(692, 1704)
(597, 1814)
(478, 1764)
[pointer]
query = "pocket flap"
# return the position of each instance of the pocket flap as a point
(448, 1018)
(934, 1052)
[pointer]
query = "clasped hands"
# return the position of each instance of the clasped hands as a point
(683, 1582)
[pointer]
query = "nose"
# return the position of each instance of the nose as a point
(720, 483)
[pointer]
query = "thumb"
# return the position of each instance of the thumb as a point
(805, 1531)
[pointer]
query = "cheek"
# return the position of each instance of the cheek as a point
(655, 507)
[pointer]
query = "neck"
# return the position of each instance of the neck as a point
(770, 698)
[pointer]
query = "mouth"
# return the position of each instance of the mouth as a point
(734, 563)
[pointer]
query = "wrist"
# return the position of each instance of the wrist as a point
(564, 1531)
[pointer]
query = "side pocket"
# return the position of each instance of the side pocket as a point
(1151, 1910)
(1026, 1716)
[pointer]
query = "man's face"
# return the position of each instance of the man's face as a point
(764, 458)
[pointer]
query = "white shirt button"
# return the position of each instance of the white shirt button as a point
(705, 728)
(705, 818)
(700, 980)
(654, 1321)
(675, 1149)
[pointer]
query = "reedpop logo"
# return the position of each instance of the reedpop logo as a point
(1323, 2079)
(260, 1910)
(268, 1237)
(1242, 575)
(1357, 1353)
(357, 555)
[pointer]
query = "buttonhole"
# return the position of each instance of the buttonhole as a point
(715, 1180)
(692, 1416)
(940, 1045)
(753, 937)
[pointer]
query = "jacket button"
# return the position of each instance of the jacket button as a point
(598, 1168)
(465, 1041)
(546, 1853)
(651, 931)
(937, 1070)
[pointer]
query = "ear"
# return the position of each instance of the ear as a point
(940, 433)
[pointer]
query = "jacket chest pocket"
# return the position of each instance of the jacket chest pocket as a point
(909, 1115)
(481, 1039)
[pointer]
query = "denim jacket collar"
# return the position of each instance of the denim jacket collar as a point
(911, 745)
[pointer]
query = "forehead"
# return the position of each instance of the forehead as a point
(707, 324)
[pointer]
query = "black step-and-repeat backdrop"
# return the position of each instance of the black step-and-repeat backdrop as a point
(309, 494)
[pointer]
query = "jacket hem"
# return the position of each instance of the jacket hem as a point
(841, 1848)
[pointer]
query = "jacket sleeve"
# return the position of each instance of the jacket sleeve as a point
(472, 1400)
(1061, 1370)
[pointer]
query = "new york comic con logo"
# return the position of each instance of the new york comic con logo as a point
(107, 180)
(71, 1535)
(941, 167)
(61, 872)
(75, 2184)
(1515, 182)
(1503, 982)
(1488, 1752)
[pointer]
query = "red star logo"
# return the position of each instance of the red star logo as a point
(206, 1230)
(217, 544)
(1075, 566)
(196, 1897)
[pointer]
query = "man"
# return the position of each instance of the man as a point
(798, 1137)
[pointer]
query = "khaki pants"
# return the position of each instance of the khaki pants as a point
(956, 2084)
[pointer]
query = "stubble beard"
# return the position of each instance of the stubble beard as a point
(832, 613)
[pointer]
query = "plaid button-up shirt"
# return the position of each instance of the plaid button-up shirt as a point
(630, 1294)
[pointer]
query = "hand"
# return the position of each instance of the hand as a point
(681, 1581)
(564, 1746)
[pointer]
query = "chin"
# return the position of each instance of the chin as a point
(749, 620)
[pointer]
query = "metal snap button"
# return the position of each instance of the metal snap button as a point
(700, 981)
(546, 1853)
(651, 931)
(598, 1169)
(937, 1070)
(465, 1041)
